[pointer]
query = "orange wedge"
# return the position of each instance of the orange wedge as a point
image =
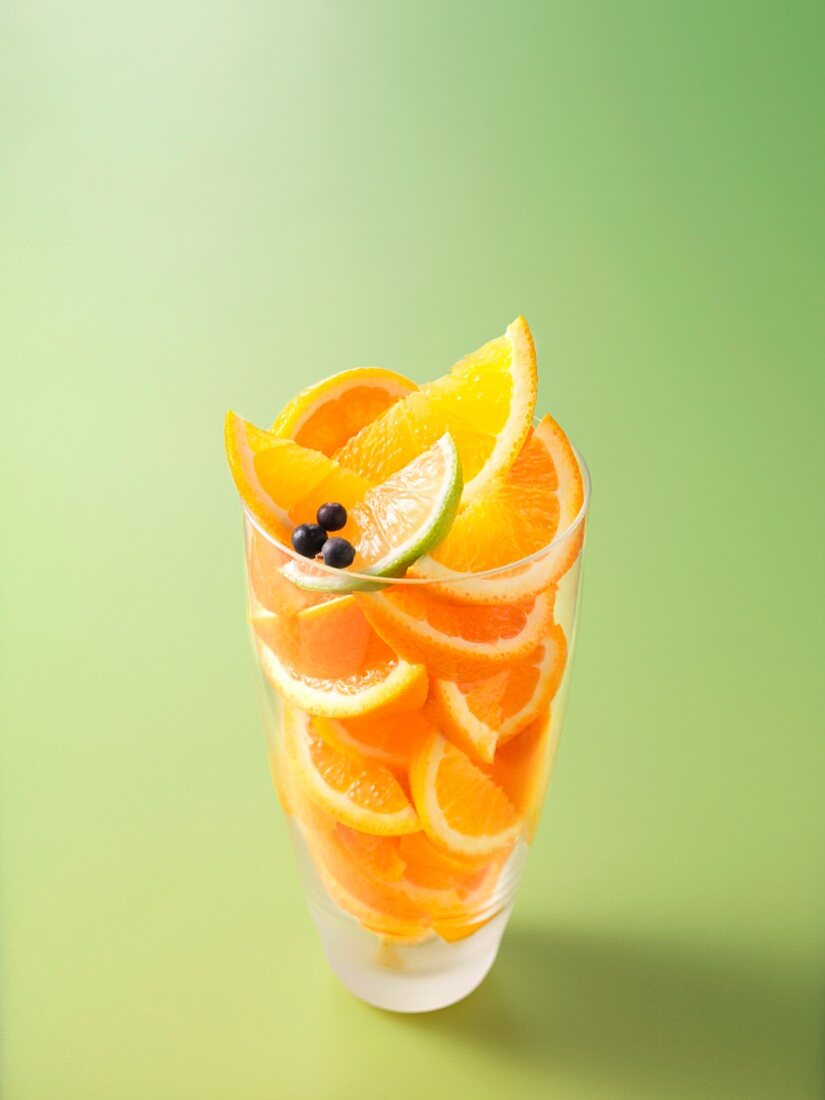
(460, 807)
(381, 907)
(271, 588)
(377, 856)
(391, 740)
(324, 416)
(361, 794)
(434, 869)
(328, 660)
(486, 404)
(481, 715)
(282, 483)
(521, 768)
(454, 640)
(517, 515)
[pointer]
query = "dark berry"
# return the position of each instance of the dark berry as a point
(332, 517)
(338, 553)
(308, 539)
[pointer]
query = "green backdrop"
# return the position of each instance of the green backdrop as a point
(208, 204)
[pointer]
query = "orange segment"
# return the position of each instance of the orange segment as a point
(521, 769)
(514, 517)
(432, 868)
(382, 907)
(324, 416)
(481, 715)
(570, 493)
(283, 483)
(486, 404)
(456, 640)
(391, 740)
(377, 856)
(328, 660)
(361, 794)
(271, 588)
(460, 807)
(518, 515)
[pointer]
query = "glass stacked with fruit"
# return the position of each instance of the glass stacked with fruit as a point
(413, 556)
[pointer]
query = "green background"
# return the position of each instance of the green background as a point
(210, 204)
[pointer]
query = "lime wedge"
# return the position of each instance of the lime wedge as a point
(398, 521)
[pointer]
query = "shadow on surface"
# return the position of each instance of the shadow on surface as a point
(641, 1019)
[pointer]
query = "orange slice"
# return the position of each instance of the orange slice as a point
(324, 416)
(377, 856)
(434, 869)
(391, 740)
(460, 807)
(486, 404)
(480, 715)
(381, 907)
(361, 794)
(455, 640)
(328, 660)
(521, 768)
(282, 483)
(271, 588)
(519, 513)
(515, 516)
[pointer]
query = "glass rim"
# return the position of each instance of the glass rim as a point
(449, 577)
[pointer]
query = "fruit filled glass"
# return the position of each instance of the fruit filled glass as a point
(413, 557)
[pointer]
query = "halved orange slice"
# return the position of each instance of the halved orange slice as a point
(486, 404)
(455, 640)
(282, 483)
(328, 660)
(325, 415)
(522, 767)
(481, 715)
(361, 794)
(460, 807)
(517, 515)
(389, 739)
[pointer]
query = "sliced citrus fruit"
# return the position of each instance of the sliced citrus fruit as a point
(431, 867)
(377, 856)
(324, 416)
(361, 794)
(517, 515)
(391, 740)
(272, 590)
(456, 640)
(521, 768)
(328, 660)
(480, 715)
(395, 522)
(381, 907)
(460, 807)
(486, 403)
(282, 483)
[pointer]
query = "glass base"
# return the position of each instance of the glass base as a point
(417, 977)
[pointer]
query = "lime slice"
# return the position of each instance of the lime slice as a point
(398, 521)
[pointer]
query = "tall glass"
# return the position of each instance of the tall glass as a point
(407, 922)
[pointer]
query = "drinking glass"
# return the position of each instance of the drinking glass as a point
(404, 930)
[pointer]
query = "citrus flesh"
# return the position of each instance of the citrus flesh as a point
(327, 414)
(486, 403)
